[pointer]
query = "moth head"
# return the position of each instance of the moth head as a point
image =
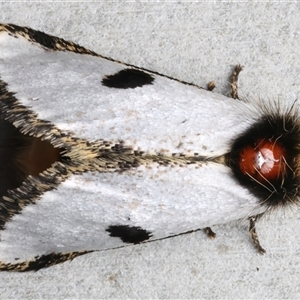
(266, 158)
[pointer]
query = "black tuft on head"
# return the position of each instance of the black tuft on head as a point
(128, 79)
(127, 234)
(284, 131)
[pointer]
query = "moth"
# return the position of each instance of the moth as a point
(97, 154)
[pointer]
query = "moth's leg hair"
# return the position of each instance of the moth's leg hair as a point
(209, 232)
(210, 86)
(234, 81)
(254, 236)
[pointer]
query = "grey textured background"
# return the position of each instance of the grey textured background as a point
(196, 42)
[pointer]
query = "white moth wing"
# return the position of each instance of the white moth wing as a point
(166, 116)
(164, 201)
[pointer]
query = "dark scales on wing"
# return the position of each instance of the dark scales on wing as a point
(21, 156)
(129, 234)
(11, 142)
(41, 262)
(128, 79)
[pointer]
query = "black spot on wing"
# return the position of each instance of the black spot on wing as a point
(127, 234)
(128, 79)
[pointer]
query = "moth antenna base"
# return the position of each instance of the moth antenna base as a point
(208, 231)
(234, 81)
(253, 233)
